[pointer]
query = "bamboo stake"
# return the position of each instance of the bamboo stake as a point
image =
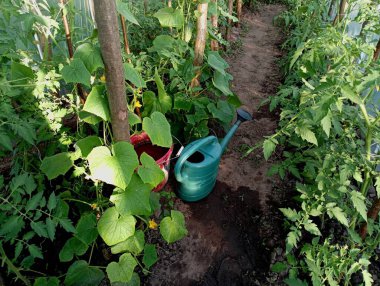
(106, 19)
(372, 213)
(377, 52)
(340, 15)
(125, 35)
(239, 6)
(67, 32)
(81, 92)
(214, 23)
(229, 21)
(200, 42)
(145, 6)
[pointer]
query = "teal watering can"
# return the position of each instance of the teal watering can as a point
(197, 167)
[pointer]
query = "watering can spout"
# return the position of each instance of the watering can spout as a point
(242, 116)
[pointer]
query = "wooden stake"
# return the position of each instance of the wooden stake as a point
(67, 32)
(214, 23)
(106, 19)
(125, 35)
(377, 52)
(200, 41)
(229, 21)
(340, 15)
(239, 6)
(146, 4)
(373, 214)
(81, 92)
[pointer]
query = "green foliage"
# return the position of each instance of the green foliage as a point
(328, 124)
(114, 227)
(114, 168)
(121, 271)
(90, 56)
(173, 228)
(149, 171)
(97, 103)
(123, 9)
(56, 165)
(158, 129)
(170, 17)
(76, 72)
(64, 162)
(80, 273)
(134, 200)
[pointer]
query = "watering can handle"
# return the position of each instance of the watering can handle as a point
(182, 159)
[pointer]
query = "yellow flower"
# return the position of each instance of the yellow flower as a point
(152, 224)
(94, 206)
(137, 104)
(103, 78)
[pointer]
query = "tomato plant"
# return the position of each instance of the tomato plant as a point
(330, 125)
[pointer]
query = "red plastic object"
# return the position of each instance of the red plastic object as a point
(161, 155)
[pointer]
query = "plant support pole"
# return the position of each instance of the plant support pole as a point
(377, 52)
(109, 40)
(342, 9)
(125, 35)
(146, 4)
(81, 92)
(67, 32)
(239, 6)
(200, 41)
(229, 21)
(214, 23)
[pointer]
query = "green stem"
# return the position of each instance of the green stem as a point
(138, 262)
(92, 250)
(144, 220)
(365, 114)
(368, 142)
(12, 267)
(21, 213)
(75, 200)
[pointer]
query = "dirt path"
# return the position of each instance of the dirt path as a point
(234, 233)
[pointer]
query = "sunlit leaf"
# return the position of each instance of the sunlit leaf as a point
(116, 168)
(115, 228)
(170, 17)
(97, 103)
(123, 9)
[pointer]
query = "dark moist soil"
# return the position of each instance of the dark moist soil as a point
(236, 233)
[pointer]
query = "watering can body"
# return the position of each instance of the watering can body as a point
(197, 168)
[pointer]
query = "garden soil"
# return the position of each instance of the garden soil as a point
(236, 233)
